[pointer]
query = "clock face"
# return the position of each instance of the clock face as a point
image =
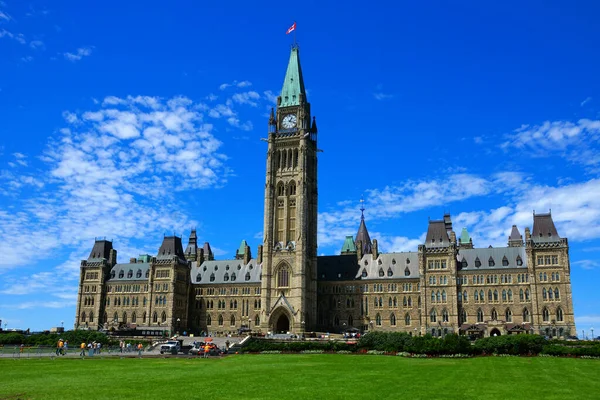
(289, 121)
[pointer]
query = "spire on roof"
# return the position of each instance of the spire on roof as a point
(191, 250)
(207, 251)
(349, 245)
(465, 241)
(313, 128)
(515, 239)
(293, 84)
(363, 234)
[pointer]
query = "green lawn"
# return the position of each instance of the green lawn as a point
(301, 377)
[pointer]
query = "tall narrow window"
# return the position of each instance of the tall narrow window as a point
(393, 319)
(292, 217)
(559, 315)
(525, 315)
(545, 315)
(479, 315)
(280, 220)
(283, 277)
(508, 315)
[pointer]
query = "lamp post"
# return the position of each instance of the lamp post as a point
(592, 329)
(371, 324)
(178, 323)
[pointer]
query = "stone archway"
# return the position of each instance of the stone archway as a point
(495, 332)
(282, 324)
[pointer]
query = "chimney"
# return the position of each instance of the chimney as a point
(259, 255)
(247, 254)
(375, 249)
(132, 260)
(112, 257)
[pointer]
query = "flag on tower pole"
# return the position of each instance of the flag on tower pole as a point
(291, 29)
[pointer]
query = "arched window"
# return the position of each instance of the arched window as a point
(115, 317)
(504, 298)
(510, 299)
(280, 189)
(463, 316)
(525, 315)
(460, 297)
(404, 302)
(247, 277)
(212, 277)
(121, 274)
(432, 297)
(545, 315)
(479, 315)
(438, 297)
(233, 277)
(544, 294)
(481, 297)
(130, 273)
(443, 296)
(432, 316)
(494, 314)
(390, 302)
(477, 262)
(559, 315)
(444, 315)
(491, 262)
(395, 302)
(226, 276)
(409, 301)
(508, 315)
(556, 294)
(380, 302)
(364, 273)
(220, 320)
(91, 316)
(392, 319)
(465, 296)
(292, 188)
(407, 319)
(283, 277)
(519, 261)
(133, 318)
(390, 272)
(144, 317)
(232, 322)
(147, 273)
(495, 295)
(208, 320)
(138, 273)
(527, 294)
(164, 317)
(198, 277)
(476, 296)
(257, 320)
(155, 317)
(83, 317)
(381, 273)
(378, 320)
(124, 317)
(406, 271)
(504, 261)
(550, 293)
(490, 297)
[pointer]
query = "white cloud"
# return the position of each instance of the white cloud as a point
(382, 96)
(27, 59)
(78, 54)
(244, 84)
(249, 98)
(587, 264)
(4, 16)
(113, 171)
(224, 86)
(270, 96)
(36, 44)
(587, 100)
(19, 37)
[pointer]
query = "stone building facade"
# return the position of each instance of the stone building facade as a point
(446, 285)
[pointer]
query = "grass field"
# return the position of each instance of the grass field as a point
(301, 377)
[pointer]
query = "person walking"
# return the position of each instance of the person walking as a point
(206, 350)
(139, 347)
(59, 347)
(82, 347)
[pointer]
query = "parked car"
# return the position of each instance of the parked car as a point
(171, 347)
(198, 350)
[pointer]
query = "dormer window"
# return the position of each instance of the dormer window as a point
(121, 274)
(406, 271)
(204, 269)
(464, 263)
(147, 273)
(504, 261)
(233, 277)
(477, 262)
(379, 262)
(198, 277)
(390, 272)
(112, 274)
(408, 260)
(247, 277)
(212, 277)
(393, 261)
(226, 277)
(130, 273)
(519, 261)
(381, 272)
(138, 273)
(364, 273)
(491, 262)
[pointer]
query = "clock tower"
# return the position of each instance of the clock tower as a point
(289, 268)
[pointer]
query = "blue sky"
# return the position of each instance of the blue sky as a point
(485, 111)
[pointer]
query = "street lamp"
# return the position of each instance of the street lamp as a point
(178, 322)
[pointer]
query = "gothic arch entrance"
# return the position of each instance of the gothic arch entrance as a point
(282, 324)
(495, 332)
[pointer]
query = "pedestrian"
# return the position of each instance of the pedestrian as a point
(98, 347)
(121, 345)
(206, 350)
(139, 347)
(65, 347)
(82, 347)
(59, 347)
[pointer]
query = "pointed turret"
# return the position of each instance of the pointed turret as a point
(465, 241)
(207, 252)
(191, 251)
(515, 239)
(363, 234)
(293, 84)
(313, 128)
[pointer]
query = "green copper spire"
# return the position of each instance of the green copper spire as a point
(349, 246)
(293, 85)
(242, 249)
(464, 236)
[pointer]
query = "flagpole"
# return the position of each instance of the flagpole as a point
(295, 45)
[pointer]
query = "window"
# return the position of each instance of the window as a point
(477, 262)
(510, 297)
(378, 320)
(465, 297)
(521, 297)
(212, 277)
(390, 272)
(494, 314)
(519, 261)
(490, 297)
(495, 295)
(381, 273)
(443, 296)
(540, 260)
(545, 294)
(407, 319)
(476, 296)
(112, 274)
(504, 261)
(460, 297)
(220, 320)
(147, 273)
(504, 298)
(525, 315)
(83, 317)
(432, 297)
(130, 273)
(155, 317)
(479, 315)
(208, 320)
(559, 315)
(233, 277)
(232, 321)
(444, 315)
(550, 294)
(508, 315)
(491, 262)
(138, 273)
(247, 277)
(463, 316)
(133, 318)
(545, 315)
(554, 260)
(393, 320)
(198, 277)
(121, 274)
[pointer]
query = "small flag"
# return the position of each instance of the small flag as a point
(291, 29)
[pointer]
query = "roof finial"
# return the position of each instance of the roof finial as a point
(362, 207)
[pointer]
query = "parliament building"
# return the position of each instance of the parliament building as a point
(447, 285)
